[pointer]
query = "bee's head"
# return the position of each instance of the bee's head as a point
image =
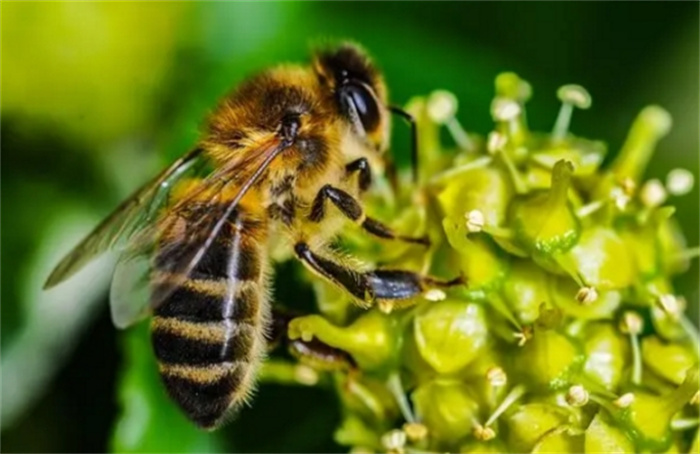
(358, 90)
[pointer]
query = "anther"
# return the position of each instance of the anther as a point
(394, 441)
(624, 400)
(577, 396)
(475, 221)
(653, 193)
(495, 142)
(434, 294)
(587, 295)
(441, 106)
(680, 181)
(620, 198)
(496, 376)
(631, 323)
(482, 433)
(670, 304)
(415, 431)
(523, 336)
(504, 109)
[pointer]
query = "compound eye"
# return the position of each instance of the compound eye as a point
(360, 105)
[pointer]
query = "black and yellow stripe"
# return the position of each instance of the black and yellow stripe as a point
(208, 334)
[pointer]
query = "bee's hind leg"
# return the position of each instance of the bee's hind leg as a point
(374, 286)
(313, 353)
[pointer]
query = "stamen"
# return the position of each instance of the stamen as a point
(442, 108)
(396, 388)
(571, 96)
(515, 394)
(633, 325)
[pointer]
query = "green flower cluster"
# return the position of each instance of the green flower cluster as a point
(566, 336)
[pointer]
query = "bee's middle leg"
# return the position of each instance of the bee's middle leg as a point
(352, 209)
(370, 286)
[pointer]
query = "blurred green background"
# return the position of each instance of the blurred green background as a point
(96, 97)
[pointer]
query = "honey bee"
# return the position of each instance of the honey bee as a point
(280, 158)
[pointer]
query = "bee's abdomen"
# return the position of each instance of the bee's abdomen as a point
(208, 334)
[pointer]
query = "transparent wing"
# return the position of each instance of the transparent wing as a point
(127, 219)
(161, 258)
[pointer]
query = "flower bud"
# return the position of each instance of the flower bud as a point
(480, 261)
(606, 354)
(601, 259)
(524, 290)
(559, 441)
(369, 398)
(446, 408)
(549, 359)
(602, 438)
(544, 222)
(450, 334)
(648, 418)
(668, 360)
(485, 190)
(530, 422)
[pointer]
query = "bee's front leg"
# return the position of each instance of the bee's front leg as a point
(362, 168)
(374, 286)
(352, 209)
